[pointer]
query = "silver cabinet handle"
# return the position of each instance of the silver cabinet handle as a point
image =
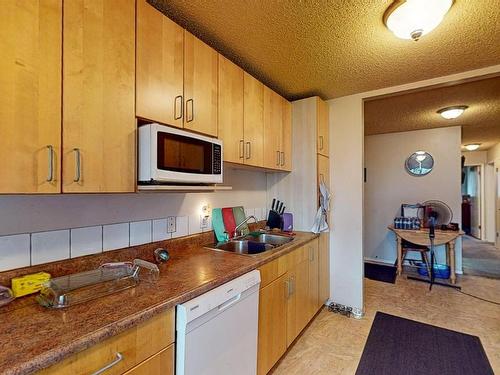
(249, 151)
(278, 158)
(293, 285)
(287, 289)
(242, 151)
(282, 158)
(50, 175)
(178, 98)
(78, 173)
(189, 118)
(321, 142)
(311, 254)
(118, 359)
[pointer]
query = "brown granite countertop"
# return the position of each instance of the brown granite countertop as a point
(34, 337)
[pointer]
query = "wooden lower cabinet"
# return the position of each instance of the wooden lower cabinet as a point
(135, 346)
(272, 324)
(298, 311)
(289, 299)
(159, 364)
(324, 268)
(313, 295)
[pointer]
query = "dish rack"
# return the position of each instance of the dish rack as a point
(109, 278)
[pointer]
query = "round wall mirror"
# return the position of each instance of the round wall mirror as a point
(419, 163)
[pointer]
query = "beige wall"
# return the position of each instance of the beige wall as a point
(493, 153)
(475, 157)
(346, 180)
(388, 184)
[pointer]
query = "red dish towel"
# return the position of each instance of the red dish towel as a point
(229, 222)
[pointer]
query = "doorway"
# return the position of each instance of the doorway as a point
(471, 201)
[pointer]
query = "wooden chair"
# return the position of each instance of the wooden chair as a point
(423, 250)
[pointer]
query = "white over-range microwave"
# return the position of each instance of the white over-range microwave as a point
(174, 156)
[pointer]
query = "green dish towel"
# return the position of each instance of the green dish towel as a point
(239, 217)
(218, 225)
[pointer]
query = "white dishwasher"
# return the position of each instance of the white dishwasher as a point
(217, 331)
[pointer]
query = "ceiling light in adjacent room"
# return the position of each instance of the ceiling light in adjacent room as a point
(411, 19)
(452, 112)
(472, 146)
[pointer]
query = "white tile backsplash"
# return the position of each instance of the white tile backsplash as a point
(14, 251)
(194, 224)
(22, 250)
(160, 230)
(86, 241)
(49, 246)
(181, 227)
(140, 232)
(115, 236)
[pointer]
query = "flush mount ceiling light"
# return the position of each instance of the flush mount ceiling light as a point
(452, 112)
(411, 19)
(472, 146)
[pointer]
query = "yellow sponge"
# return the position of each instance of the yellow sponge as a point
(28, 284)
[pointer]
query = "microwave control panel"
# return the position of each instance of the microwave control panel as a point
(217, 160)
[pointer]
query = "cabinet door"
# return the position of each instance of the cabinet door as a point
(253, 120)
(160, 65)
(286, 138)
(313, 294)
(272, 324)
(231, 110)
(273, 118)
(30, 88)
(324, 269)
(200, 86)
(159, 364)
(98, 96)
(298, 310)
(323, 171)
(322, 127)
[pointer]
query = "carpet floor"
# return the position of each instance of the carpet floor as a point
(480, 258)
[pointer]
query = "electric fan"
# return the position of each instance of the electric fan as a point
(440, 211)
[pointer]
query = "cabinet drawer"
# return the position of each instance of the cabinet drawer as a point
(271, 271)
(159, 364)
(295, 257)
(134, 346)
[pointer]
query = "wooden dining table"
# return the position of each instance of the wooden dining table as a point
(421, 237)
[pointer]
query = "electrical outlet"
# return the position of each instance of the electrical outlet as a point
(171, 224)
(204, 221)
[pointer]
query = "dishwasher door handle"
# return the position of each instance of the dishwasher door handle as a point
(229, 302)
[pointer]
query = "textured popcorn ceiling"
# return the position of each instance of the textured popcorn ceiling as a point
(417, 110)
(333, 48)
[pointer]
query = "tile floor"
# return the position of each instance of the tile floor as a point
(333, 344)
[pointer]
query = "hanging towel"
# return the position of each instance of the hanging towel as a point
(320, 223)
(229, 222)
(239, 217)
(218, 225)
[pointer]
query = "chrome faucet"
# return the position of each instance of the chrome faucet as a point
(242, 223)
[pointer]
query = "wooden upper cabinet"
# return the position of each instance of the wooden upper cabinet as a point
(286, 139)
(200, 86)
(231, 110)
(160, 66)
(98, 96)
(273, 120)
(322, 127)
(253, 120)
(30, 91)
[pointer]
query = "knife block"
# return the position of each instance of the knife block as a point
(274, 220)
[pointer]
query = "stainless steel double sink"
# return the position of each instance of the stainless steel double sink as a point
(252, 244)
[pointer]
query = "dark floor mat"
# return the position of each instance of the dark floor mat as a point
(398, 346)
